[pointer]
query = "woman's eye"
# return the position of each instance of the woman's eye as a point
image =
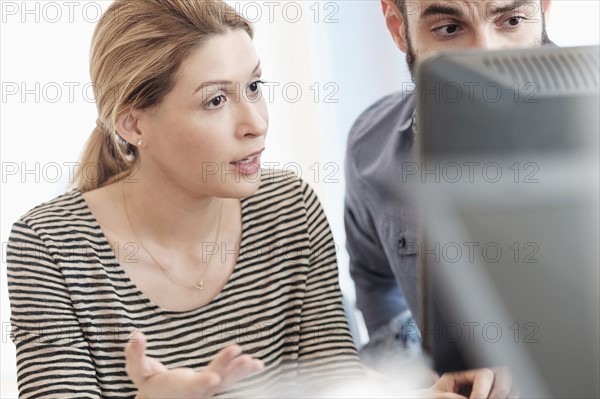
(447, 30)
(216, 102)
(255, 86)
(254, 89)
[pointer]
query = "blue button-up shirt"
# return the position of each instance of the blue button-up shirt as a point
(381, 225)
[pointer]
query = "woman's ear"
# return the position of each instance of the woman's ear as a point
(395, 23)
(127, 127)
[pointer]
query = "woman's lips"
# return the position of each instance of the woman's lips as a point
(248, 165)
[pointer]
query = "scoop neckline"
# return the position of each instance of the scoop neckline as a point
(148, 302)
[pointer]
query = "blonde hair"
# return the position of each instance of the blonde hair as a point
(137, 48)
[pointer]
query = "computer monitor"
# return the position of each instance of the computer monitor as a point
(509, 205)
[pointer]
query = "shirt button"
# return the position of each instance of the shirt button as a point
(402, 242)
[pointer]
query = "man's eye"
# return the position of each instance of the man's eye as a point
(447, 30)
(514, 21)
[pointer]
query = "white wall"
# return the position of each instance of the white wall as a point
(340, 49)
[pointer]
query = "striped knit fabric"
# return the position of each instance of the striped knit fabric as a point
(73, 308)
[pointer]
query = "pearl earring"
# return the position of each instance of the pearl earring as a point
(140, 142)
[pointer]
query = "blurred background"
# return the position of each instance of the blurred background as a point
(325, 61)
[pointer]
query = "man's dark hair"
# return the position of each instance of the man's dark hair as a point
(402, 7)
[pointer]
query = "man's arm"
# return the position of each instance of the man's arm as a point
(376, 136)
(377, 293)
(379, 297)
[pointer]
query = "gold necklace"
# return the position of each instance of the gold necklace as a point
(200, 284)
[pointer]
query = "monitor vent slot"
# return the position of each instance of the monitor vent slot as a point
(575, 70)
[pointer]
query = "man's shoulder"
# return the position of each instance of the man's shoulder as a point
(384, 115)
(379, 135)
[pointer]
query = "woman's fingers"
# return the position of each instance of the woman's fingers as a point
(153, 379)
(225, 356)
(232, 366)
(135, 362)
(183, 382)
(241, 367)
(231, 362)
(138, 366)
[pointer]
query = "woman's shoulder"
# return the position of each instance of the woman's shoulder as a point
(282, 191)
(57, 222)
(278, 176)
(68, 206)
(288, 181)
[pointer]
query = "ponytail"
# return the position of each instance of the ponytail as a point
(106, 158)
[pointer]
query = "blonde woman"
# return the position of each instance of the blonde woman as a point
(176, 267)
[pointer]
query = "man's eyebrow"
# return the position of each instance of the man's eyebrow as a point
(221, 82)
(437, 9)
(456, 12)
(509, 7)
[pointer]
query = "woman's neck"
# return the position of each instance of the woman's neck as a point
(169, 217)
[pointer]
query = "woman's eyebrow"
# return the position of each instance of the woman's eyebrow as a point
(220, 83)
(209, 83)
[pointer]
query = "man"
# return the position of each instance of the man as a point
(380, 222)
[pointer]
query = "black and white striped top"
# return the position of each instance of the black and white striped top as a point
(73, 308)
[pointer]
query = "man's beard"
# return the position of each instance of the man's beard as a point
(411, 55)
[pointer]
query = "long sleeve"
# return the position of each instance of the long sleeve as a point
(53, 358)
(326, 346)
(377, 292)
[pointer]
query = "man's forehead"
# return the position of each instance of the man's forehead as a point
(423, 8)
(488, 4)
(465, 3)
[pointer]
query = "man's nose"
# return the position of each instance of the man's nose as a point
(486, 40)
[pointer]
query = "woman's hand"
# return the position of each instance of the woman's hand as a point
(154, 380)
